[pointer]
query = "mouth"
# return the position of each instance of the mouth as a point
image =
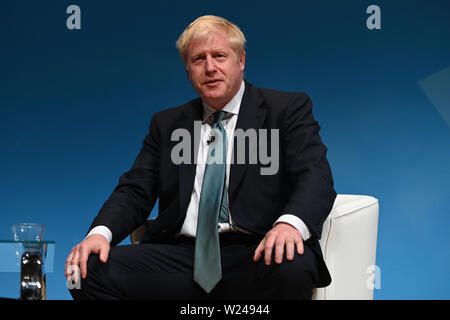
(212, 82)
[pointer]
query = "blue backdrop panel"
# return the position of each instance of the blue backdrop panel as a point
(75, 106)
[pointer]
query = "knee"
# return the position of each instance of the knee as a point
(80, 290)
(291, 273)
(288, 280)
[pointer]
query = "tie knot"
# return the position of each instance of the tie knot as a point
(218, 116)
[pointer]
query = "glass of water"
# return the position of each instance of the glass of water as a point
(32, 232)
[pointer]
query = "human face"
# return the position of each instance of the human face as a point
(214, 69)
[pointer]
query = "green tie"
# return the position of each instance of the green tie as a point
(207, 265)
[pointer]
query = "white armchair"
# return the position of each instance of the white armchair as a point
(348, 242)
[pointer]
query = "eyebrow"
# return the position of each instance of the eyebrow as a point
(214, 51)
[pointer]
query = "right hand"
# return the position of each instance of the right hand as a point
(78, 257)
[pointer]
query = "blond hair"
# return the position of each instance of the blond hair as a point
(203, 26)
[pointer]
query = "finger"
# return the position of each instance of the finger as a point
(268, 248)
(82, 261)
(66, 266)
(290, 248)
(259, 250)
(279, 249)
(299, 244)
(104, 251)
(74, 265)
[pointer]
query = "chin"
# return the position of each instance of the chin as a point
(214, 96)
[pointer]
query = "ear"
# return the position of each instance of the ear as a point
(242, 61)
(188, 72)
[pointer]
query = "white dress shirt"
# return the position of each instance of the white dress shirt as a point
(189, 227)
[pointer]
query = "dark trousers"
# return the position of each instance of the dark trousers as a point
(165, 271)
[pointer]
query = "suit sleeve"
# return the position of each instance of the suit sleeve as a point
(309, 174)
(133, 198)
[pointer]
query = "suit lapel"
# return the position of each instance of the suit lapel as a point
(251, 116)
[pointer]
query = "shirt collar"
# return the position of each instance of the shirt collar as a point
(231, 107)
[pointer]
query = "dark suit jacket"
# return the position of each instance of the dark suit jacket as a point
(303, 185)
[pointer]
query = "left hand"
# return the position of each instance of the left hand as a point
(283, 234)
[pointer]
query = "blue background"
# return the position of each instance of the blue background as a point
(75, 106)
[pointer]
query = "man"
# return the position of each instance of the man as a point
(224, 229)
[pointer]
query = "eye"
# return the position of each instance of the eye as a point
(197, 58)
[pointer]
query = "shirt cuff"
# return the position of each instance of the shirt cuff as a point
(297, 223)
(101, 230)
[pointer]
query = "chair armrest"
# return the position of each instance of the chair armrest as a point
(348, 242)
(136, 235)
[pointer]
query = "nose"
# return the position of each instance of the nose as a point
(210, 66)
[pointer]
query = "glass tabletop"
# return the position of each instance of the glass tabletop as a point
(11, 253)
